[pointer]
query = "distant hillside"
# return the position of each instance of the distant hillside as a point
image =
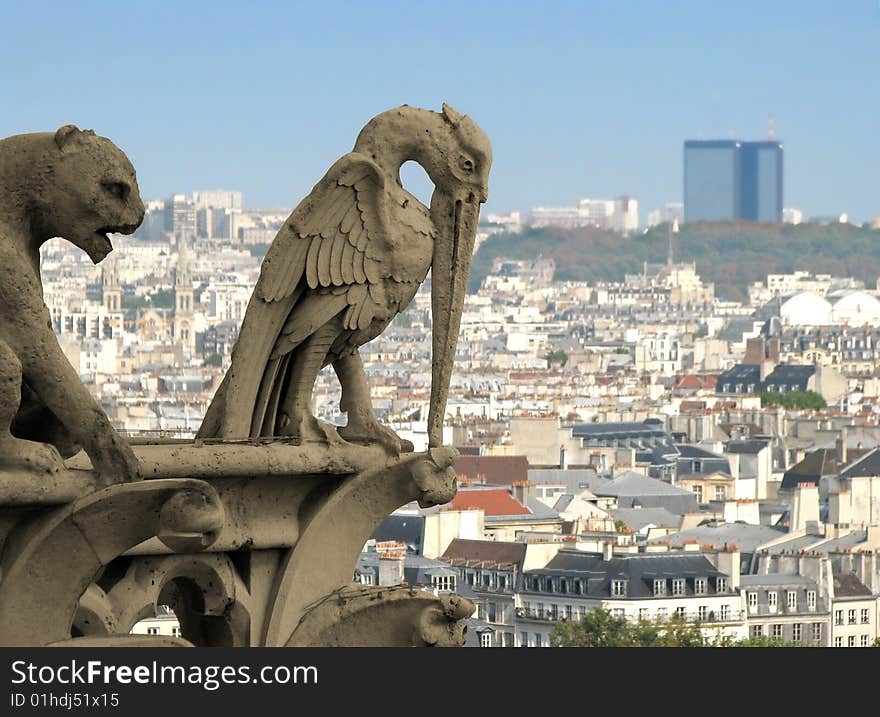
(730, 254)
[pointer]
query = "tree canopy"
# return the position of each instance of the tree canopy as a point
(599, 628)
(731, 255)
(792, 399)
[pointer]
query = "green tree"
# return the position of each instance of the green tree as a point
(556, 357)
(792, 399)
(731, 255)
(599, 628)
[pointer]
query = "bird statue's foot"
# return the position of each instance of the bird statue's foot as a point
(371, 431)
(305, 428)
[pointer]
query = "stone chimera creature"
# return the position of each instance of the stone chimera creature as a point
(79, 186)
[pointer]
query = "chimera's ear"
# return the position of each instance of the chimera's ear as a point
(451, 115)
(65, 134)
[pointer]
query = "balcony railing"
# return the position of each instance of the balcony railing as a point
(712, 617)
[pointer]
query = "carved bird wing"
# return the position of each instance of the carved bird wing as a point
(329, 257)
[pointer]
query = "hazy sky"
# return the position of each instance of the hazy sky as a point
(579, 98)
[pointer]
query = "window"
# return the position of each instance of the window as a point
(679, 613)
(618, 612)
(698, 466)
(152, 630)
(443, 582)
(811, 599)
(698, 493)
(568, 612)
(491, 612)
(852, 617)
(486, 639)
(725, 612)
(643, 614)
(851, 641)
(702, 613)
(791, 599)
(720, 492)
(539, 642)
(659, 587)
(700, 586)
(838, 617)
(662, 613)
(817, 631)
(524, 639)
(753, 601)
(678, 586)
(838, 642)
(721, 585)
(866, 616)
(756, 631)
(776, 631)
(796, 632)
(864, 642)
(618, 587)
(771, 601)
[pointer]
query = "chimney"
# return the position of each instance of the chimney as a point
(839, 508)
(607, 550)
(563, 458)
(841, 447)
(391, 559)
(805, 508)
(730, 511)
(729, 564)
(869, 570)
(754, 350)
(523, 490)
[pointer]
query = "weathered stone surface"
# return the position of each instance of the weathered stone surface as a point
(349, 258)
(79, 186)
(251, 533)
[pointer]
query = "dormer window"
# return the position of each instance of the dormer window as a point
(720, 585)
(659, 588)
(618, 588)
(811, 599)
(771, 601)
(753, 601)
(699, 586)
(791, 599)
(678, 586)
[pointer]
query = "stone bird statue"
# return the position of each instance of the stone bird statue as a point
(348, 259)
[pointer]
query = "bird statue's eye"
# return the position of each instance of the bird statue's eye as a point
(467, 165)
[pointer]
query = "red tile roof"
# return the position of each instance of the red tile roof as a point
(492, 501)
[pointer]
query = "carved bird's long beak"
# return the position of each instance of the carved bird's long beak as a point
(455, 219)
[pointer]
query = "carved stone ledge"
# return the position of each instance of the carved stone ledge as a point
(392, 617)
(51, 557)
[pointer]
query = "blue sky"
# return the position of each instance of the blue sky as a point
(579, 98)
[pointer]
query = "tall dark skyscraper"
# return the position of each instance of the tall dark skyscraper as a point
(731, 179)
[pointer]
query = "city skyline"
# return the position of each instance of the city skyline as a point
(584, 99)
